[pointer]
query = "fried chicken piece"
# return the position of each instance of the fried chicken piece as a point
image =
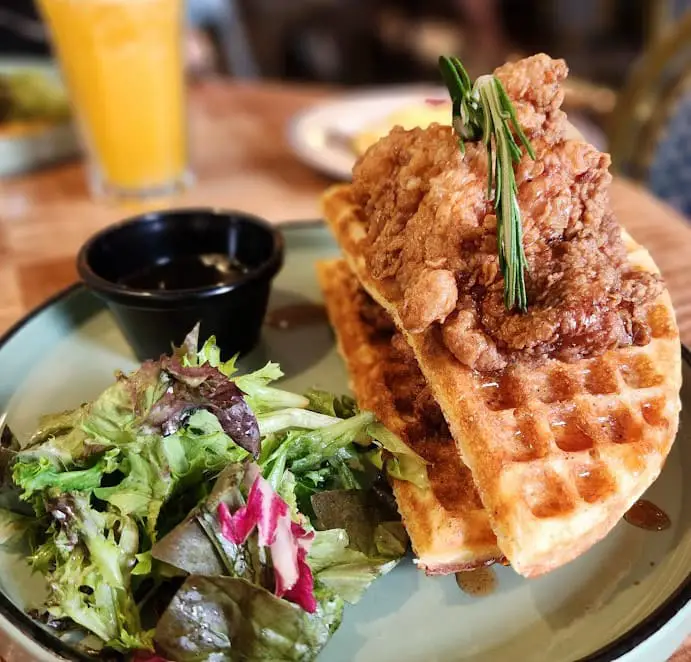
(432, 234)
(431, 298)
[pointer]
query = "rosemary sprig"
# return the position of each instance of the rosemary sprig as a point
(483, 111)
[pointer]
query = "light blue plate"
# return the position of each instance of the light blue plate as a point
(627, 598)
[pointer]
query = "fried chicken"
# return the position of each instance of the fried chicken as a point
(432, 236)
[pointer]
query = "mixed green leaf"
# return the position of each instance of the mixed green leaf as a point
(203, 514)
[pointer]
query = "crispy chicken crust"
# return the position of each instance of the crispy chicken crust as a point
(431, 236)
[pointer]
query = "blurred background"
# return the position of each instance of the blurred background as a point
(628, 58)
(360, 42)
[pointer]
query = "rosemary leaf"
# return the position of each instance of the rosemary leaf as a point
(483, 111)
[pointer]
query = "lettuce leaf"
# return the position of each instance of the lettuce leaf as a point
(255, 385)
(210, 353)
(204, 387)
(228, 618)
(254, 381)
(71, 438)
(293, 417)
(158, 469)
(39, 474)
(264, 398)
(14, 526)
(347, 572)
(144, 489)
(400, 461)
(156, 399)
(63, 445)
(361, 538)
(328, 403)
(360, 513)
(305, 451)
(200, 449)
(90, 582)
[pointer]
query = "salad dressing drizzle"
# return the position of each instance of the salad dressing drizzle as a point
(296, 315)
(477, 583)
(646, 515)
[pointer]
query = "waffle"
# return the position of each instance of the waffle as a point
(448, 527)
(558, 452)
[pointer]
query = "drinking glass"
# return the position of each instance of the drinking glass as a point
(122, 61)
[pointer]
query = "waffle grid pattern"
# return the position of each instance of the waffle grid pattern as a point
(559, 451)
(448, 527)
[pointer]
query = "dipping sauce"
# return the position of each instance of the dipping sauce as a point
(478, 583)
(188, 272)
(296, 315)
(646, 515)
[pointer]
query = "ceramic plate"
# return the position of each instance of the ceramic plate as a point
(319, 136)
(627, 598)
(19, 153)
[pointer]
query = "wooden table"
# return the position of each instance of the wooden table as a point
(242, 161)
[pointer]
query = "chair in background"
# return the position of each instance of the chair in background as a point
(315, 40)
(225, 21)
(669, 175)
(650, 128)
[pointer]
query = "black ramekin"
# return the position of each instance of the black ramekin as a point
(153, 320)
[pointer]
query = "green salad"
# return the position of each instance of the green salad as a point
(191, 513)
(27, 95)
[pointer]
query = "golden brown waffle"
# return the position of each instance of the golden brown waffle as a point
(447, 524)
(558, 452)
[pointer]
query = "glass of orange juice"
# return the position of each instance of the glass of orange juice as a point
(122, 61)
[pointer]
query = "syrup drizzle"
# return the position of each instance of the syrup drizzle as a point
(646, 515)
(296, 315)
(478, 583)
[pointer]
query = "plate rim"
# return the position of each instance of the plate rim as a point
(295, 123)
(307, 157)
(29, 628)
(318, 160)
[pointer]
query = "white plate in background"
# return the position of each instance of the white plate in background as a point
(319, 136)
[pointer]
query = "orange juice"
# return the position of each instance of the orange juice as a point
(123, 65)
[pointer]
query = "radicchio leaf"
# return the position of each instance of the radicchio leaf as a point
(302, 593)
(197, 545)
(205, 387)
(287, 541)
